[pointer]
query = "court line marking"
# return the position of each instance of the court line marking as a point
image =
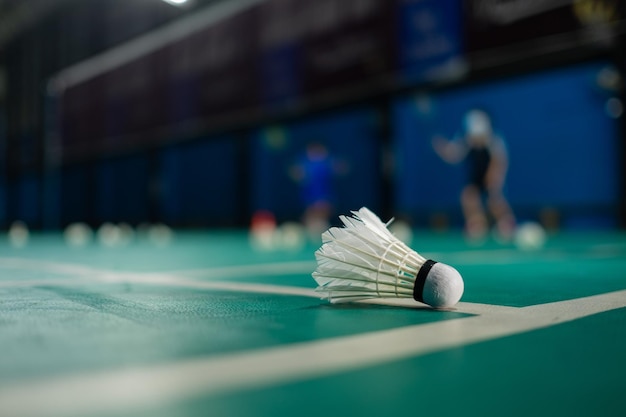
(26, 264)
(84, 274)
(140, 387)
(275, 268)
(458, 258)
(246, 287)
(95, 275)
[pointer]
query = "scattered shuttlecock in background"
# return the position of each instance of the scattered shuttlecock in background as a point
(364, 260)
(291, 236)
(78, 234)
(18, 234)
(160, 235)
(109, 235)
(402, 230)
(530, 236)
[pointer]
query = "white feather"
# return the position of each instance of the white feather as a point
(364, 260)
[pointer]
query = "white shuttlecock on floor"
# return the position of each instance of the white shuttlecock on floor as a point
(363, 260)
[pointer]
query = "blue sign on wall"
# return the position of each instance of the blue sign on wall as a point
(429, 39)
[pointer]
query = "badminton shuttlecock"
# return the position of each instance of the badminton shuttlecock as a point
(363, 260)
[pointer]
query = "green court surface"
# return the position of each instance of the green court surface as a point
(208, 326)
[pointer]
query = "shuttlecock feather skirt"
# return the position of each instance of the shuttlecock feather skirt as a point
(363, 260)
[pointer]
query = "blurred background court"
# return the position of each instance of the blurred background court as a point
(166, 168)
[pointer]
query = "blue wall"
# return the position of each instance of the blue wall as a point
(563, 147)
(76, 192)
(122, 187)
(28, 199)
(200, 181)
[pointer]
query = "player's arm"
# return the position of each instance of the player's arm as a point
(451, 151)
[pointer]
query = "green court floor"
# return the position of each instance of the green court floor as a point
(209, 326)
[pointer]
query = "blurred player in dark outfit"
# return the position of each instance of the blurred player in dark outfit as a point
(487, 161)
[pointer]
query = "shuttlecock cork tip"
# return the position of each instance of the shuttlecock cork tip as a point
(443, 286)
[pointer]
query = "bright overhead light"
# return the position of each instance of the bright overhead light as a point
(175, 2)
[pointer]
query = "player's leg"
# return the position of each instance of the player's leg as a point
(316, 218)
(476, 224)
(501, 211)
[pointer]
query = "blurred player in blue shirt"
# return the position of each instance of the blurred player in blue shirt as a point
(315, 173)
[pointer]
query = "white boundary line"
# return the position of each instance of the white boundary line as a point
(277, 268)
(129, 389)
(457, 258)
(82, 275)
(258, 288)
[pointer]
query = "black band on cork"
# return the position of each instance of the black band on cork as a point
(420, 280)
